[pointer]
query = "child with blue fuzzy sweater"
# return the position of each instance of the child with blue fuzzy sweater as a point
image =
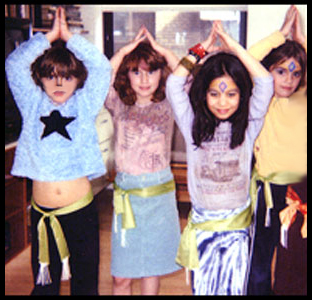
(59, 95)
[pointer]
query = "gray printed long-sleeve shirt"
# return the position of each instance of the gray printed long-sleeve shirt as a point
(219, 177)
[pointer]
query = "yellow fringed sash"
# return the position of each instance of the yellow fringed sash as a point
(280, 178)
(44, 258)
(187, 253)
(122, 203)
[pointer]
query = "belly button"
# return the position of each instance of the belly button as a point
(58, 192)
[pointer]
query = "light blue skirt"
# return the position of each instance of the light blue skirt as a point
(150, 248)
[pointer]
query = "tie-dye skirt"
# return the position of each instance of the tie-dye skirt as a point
(223, 257)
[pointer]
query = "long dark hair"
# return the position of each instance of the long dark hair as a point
(205, 122)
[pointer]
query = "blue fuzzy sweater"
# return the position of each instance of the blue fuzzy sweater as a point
(56, 158)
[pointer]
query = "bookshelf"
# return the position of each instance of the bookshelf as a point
(41, 16)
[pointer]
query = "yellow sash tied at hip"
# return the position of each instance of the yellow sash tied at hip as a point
(122, 203)
(43, 277)
(187, 253)
(279, 178)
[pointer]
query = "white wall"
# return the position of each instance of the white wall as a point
(93, 24)
(265, 19)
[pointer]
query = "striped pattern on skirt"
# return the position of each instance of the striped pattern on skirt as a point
(223, 257)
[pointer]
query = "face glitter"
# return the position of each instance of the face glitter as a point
(291, 66)
(222, 86)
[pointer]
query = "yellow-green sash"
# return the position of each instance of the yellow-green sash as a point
(280, 178)
(122, 203)
(58, 233)
(187, 253)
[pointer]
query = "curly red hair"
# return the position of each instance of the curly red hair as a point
(143, 52)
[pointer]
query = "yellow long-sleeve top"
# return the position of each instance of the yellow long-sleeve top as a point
(282, 142)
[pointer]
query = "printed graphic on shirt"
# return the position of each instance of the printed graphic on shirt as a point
(223, 171)
(142, 145)
(143, 136)
(55, 122)
(220, 179)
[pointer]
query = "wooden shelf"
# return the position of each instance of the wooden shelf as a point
(179, 171)
(16, 232)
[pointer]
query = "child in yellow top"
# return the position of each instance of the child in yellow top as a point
(281, 147)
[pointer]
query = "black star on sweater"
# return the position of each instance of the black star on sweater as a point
(55, 122)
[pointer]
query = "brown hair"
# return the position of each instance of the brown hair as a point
(154, 60)
(289, 49)
(58, 61)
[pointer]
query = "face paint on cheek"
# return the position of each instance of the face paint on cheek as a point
(222, 86)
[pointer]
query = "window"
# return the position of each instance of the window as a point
(176, 30)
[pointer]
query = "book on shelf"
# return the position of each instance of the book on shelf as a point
(17, 11)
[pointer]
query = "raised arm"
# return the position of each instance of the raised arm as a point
(59, 29)
(121, 53)
(170, 57)
(143, 33)
(206, 45)
(291, 28)
(253, 66)
(96, 86)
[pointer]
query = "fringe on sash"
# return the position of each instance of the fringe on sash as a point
(44, 277)
(66, 275)
(123, 232)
